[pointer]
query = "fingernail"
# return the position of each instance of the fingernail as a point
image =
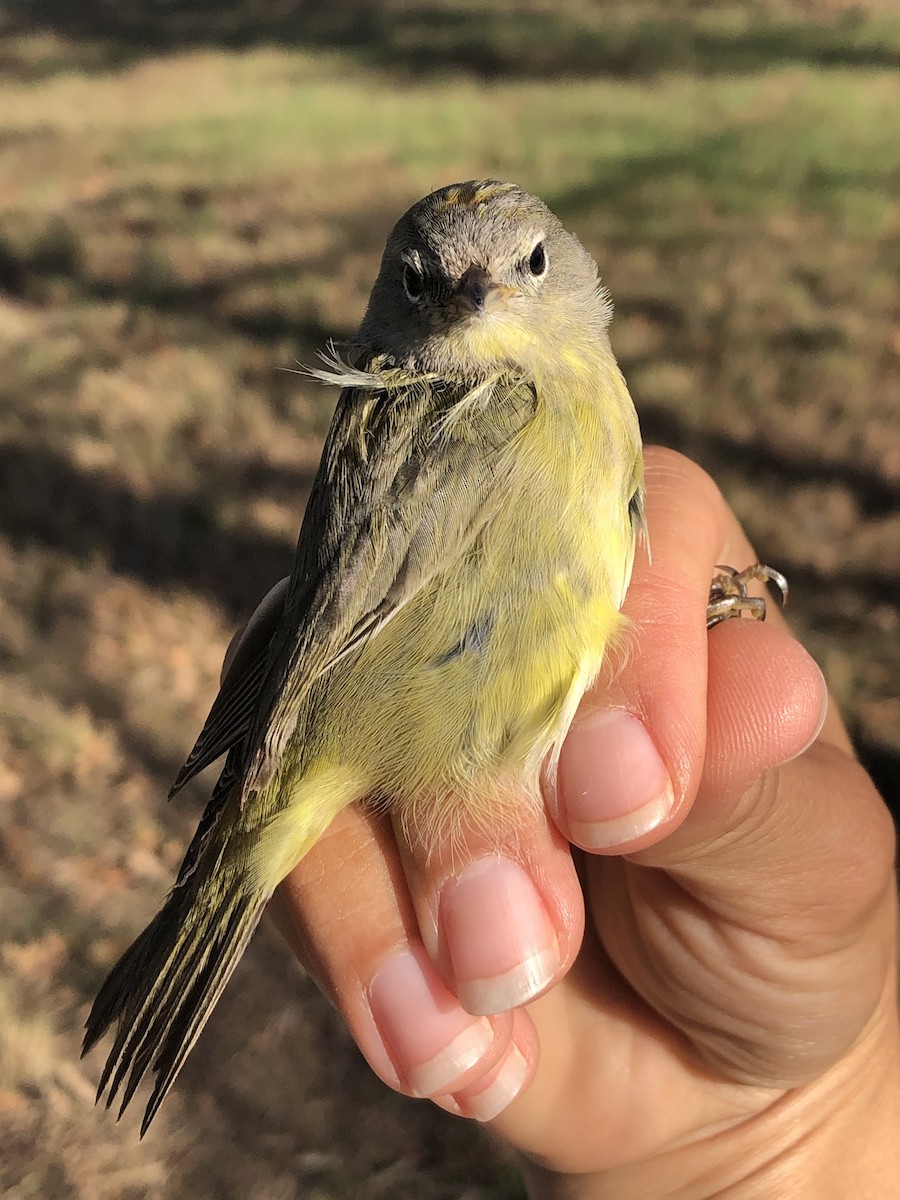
(430, 1040)
(505, 1081)
(612, 782)
(823, 713)
(502, 945)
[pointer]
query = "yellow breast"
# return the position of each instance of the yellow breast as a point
(477, 677)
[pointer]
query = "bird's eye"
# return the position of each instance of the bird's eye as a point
(537, 260)
(413, 283)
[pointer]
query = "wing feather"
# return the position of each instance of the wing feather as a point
(400, 492)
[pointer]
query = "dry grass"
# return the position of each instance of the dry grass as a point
(186, 211)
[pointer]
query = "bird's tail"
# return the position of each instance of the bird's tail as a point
(164, 987)
(162, 990)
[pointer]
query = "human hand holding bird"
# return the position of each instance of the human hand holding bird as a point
(719, 1014)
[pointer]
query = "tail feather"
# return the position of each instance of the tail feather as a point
(162, 990)
(194, 1013)
(138, 987)
(164, 987)
(148, 1018)
(150, 1026)
(119, 990)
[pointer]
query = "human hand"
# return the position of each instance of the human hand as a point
(730, 1013)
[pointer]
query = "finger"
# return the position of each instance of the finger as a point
(492, 1095)
(499, 908)
(346, 912)
(737, 549)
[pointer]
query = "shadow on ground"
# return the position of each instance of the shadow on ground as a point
(479, 40)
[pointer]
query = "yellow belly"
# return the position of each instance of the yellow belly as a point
(470, 685)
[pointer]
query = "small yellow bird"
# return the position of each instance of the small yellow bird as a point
(459, 573)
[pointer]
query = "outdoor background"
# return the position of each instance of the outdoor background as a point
(193, 197)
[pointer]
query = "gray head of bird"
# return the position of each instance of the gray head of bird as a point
(480, 278)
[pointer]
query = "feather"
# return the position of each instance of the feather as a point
(164, 987)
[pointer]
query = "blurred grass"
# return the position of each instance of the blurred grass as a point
(192, 198)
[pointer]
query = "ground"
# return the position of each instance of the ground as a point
(193, 198)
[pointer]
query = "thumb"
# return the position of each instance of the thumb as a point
(783, 811)
(766, 704)
(765, 923)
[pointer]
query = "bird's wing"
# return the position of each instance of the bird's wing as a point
(406, 481)
(231, 715)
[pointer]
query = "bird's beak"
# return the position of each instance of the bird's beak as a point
(477, 292)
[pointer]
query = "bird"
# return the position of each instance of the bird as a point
(459, 575)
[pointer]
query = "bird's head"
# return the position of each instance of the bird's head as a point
(481, 277)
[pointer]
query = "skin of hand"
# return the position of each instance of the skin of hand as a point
(708, 900)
